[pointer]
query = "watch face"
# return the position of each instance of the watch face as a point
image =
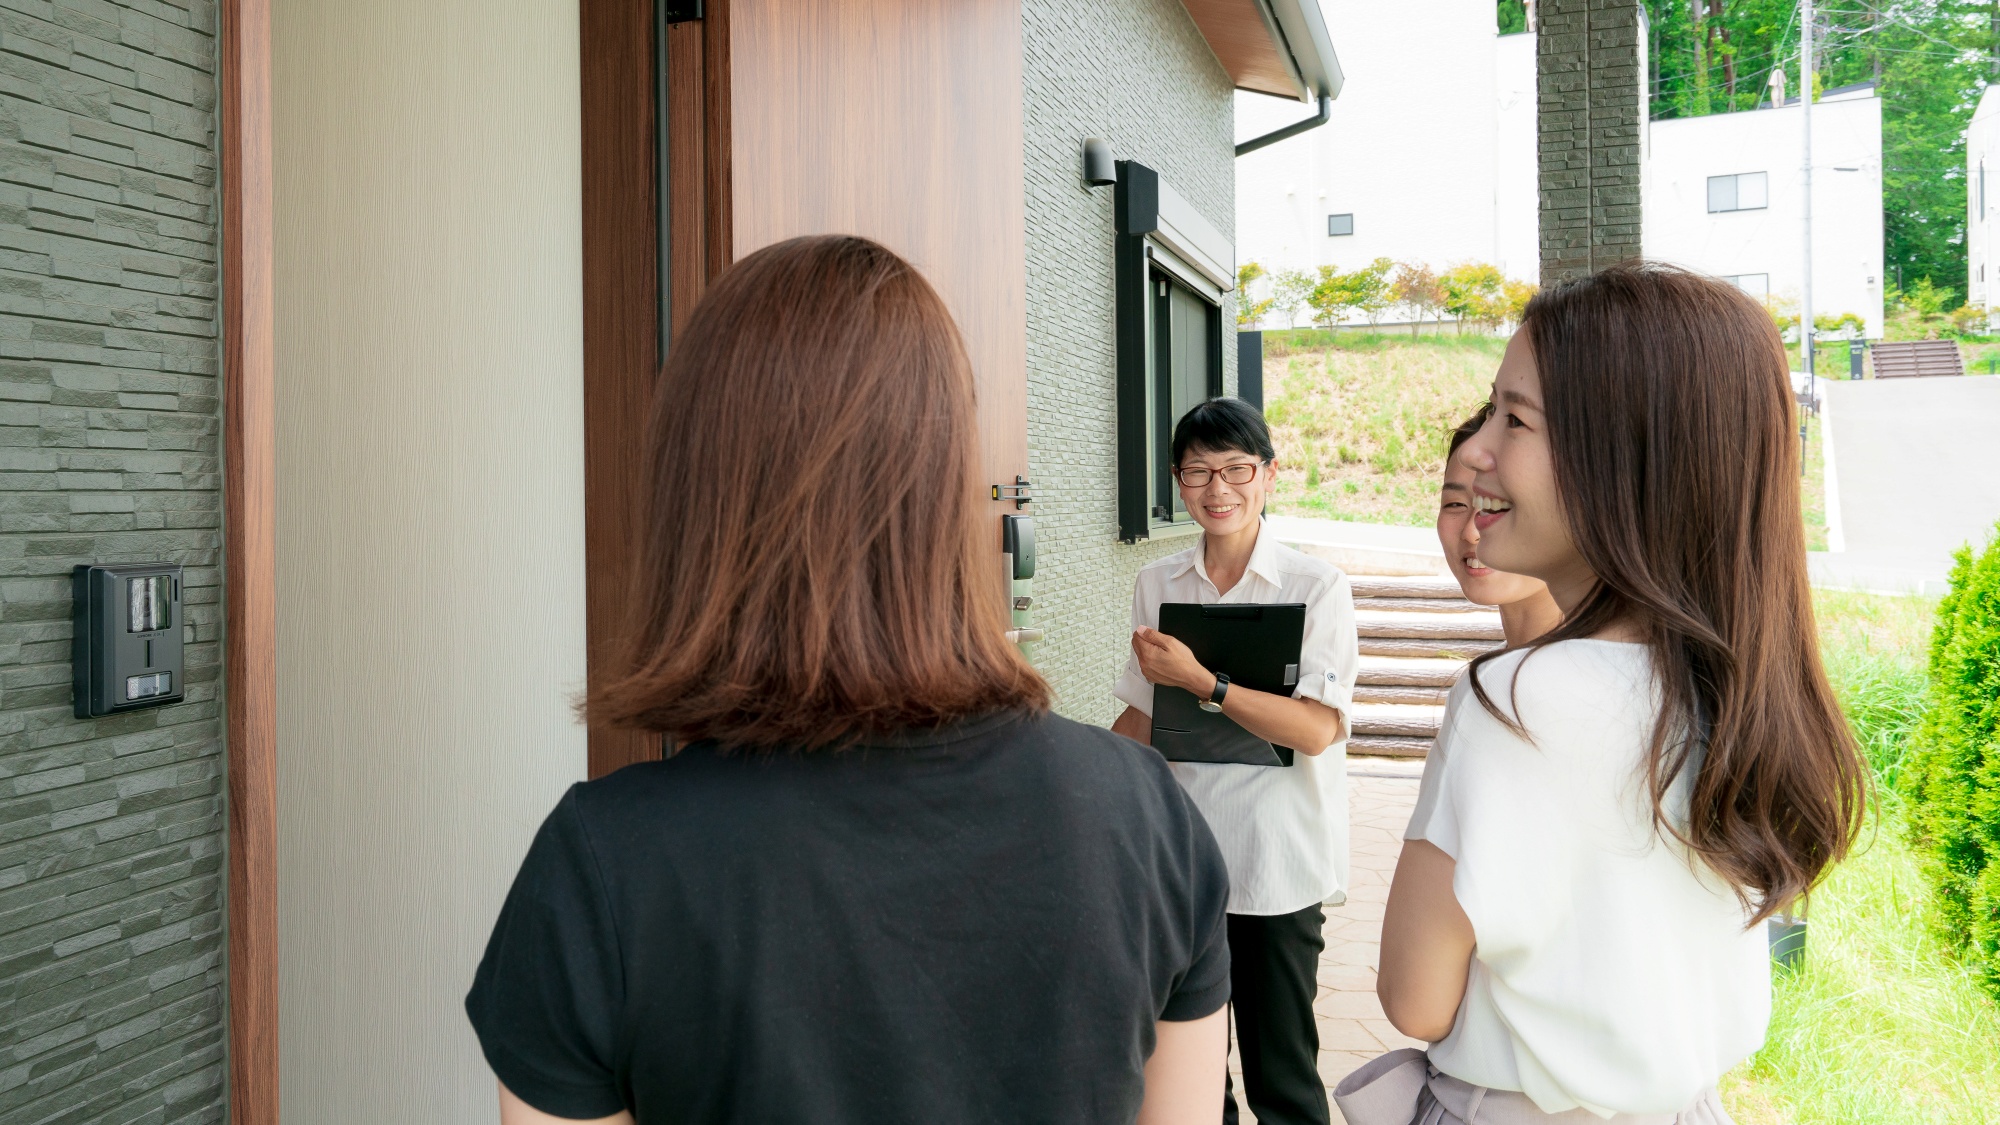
(1207, 706)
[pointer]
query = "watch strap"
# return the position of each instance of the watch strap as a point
(1221, 689)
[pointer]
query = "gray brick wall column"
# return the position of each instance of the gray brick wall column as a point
(1590, 102)
(111, 831)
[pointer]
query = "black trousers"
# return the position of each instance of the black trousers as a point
(1273, 980)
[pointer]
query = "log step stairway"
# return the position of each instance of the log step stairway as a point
(1417, 632)
(1910, 358)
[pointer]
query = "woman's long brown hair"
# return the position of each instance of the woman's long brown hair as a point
(1669, 415)
(816, 568)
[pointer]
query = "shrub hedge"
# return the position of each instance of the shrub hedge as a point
(1953, 780)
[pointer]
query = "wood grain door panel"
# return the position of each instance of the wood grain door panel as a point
(899, 120)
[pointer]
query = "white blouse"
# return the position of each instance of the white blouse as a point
(1611, 973)
(1282, 829)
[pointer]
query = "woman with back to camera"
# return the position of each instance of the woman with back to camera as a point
(877, 882)
(1526, 610)
(1612, 811)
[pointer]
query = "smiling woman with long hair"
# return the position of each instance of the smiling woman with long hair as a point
(875, 881)
(1612, 809)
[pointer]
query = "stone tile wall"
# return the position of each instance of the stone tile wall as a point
(1139, 74)
(111, 831)
(1590, 63)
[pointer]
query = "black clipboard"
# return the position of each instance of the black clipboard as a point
(1257, 647)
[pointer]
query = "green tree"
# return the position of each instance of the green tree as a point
(1250, 311)
(1929, 58)
(1516, 295)
(1332, 297)
(1290, 291)
(1928, 302)
(1474, 291)
(1415, 287)
(1953, 778)
(1366, 290)
(1371, 288)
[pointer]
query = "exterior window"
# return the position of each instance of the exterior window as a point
(1758, 285)
(1186, 371)
(1745, 191)
(1755, 285)
(1339, 224)
(1174, 272)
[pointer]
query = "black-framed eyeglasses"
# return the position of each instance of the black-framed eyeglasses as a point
(1197, 476)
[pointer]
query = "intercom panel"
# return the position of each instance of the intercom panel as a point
(127, 653)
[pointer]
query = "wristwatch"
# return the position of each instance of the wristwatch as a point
(1214, 700)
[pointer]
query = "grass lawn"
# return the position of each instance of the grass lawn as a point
(1882, 1026)
(1361, 421)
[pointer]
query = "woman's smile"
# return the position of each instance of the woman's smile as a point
(1488, 508)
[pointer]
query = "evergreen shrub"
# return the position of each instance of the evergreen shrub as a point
(1953, 782)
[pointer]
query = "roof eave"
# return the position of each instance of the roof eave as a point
(1275, 47)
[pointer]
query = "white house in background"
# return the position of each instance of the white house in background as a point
(1724, 195)
(1982, 200)
(1429, 155)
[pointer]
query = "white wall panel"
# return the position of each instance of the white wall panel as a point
(430, 522)
(1410, 150)
(1847, 201)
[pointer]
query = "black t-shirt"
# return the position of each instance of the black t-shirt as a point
(974, 924)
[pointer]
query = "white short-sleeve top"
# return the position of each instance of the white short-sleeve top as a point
(1282, 829)
(1611, 972)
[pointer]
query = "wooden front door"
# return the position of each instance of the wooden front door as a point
(899, 120)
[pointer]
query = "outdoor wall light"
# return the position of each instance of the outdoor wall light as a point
(1098, 167)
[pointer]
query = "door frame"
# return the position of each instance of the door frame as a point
(621, 345)
(635, 57)
(249, 507)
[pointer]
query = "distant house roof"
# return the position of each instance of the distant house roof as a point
(1277, 47)
(1837, 94)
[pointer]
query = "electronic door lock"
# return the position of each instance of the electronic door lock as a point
(127, 649)
(1017, 547)
(1017, 542)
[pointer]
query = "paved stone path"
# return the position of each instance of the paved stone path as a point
(1352, 1029)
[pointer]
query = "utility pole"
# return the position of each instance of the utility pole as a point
(1805, 287)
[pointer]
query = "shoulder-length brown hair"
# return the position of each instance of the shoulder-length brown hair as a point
(1669, 416)
(816, 563)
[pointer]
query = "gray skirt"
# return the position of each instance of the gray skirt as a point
(1403, 1088)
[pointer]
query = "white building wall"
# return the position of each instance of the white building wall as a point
(1410, 149)
(1847, 205)
(1432, 147)
(430, 528)
(1517, 199)
(1982, 199)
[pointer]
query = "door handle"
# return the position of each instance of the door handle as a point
(1023, 636)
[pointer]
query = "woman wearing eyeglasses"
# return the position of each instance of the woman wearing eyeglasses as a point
(1283, 829)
